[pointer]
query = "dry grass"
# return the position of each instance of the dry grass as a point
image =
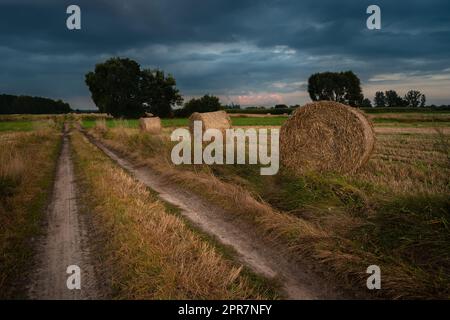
(150, 251)
(393, 212)
(27, 162)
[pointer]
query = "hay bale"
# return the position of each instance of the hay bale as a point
(151, 125)
(211, 120)
(100, 126)
(326, 136)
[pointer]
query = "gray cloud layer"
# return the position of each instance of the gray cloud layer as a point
(249, 51)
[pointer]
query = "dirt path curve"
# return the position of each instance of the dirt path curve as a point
(65, 242)
(297, 282)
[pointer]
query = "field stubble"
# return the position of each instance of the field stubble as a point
(393, 212)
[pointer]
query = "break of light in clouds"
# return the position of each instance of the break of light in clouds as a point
(250, 52)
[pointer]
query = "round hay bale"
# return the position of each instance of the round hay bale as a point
(326, 136)
(211, 120)
(151, 125)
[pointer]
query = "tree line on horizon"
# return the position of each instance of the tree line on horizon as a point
(120, 87)
(345, 87)
(13, 104)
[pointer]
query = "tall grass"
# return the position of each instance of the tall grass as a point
(12, 169)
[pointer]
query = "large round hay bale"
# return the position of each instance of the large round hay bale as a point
(211, 120)
(326, 136)
(151, 125)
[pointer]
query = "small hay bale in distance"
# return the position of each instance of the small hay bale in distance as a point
(150, 125)
(211, 120)
(326, 136)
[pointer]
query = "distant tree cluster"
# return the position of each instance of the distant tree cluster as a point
(119, 87)
(207, 103)
(232, 106)
(390, 98)
(11, 104)
(343, 87)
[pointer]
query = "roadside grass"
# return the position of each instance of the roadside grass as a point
(393, 213)
(150, 251)
(27, 167)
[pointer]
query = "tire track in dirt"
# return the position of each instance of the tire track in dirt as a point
(65, 241)
(297, 282)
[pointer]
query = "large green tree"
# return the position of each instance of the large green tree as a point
(119, 87)
(344, 87)
(394, 100)
(159, 92)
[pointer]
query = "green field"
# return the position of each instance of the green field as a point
(386, 120)
(184, 122)
(17, 125)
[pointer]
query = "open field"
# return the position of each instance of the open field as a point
(409, 120)
(393, 212)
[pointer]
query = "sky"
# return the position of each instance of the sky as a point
(247, 52)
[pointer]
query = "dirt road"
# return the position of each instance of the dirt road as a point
(64, 243)
(297, 282)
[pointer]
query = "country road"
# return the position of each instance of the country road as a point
(65, 241)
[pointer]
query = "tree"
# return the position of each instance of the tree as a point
(394, 100)
(119, 87)
(206, 103)
(10, 104)
(281, 106)
(366, 103)
(380, 99)
(159, 92)
(414, 98)
(344, 87)
(423, 100)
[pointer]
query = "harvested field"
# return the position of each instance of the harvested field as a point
(392, 212)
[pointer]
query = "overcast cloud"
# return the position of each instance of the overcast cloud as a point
(248, 51)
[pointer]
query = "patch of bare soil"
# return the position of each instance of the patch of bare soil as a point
(65, 242)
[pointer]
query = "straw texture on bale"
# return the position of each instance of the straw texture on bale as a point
(151, 125)
(211, 120)
(326, 136)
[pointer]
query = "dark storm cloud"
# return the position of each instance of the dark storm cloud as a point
(229, 48)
